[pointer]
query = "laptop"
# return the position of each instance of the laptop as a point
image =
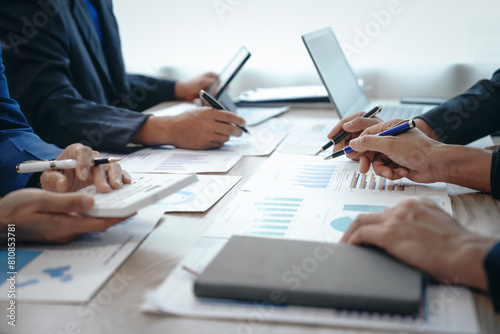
(342, 84)
(252, 116)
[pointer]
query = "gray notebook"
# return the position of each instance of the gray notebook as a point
(311, 274)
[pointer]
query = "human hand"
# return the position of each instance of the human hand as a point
(199, 129)
(189, 90)
(422, 235)
(105, 177)
(45, 216)
(411, 154)
(354, 124)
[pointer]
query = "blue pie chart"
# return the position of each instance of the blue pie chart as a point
(341, 224)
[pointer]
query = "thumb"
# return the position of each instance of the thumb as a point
(67, 203)
(369, 143)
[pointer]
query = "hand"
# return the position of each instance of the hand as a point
(45, 216)
(354, 124)
(105, 177)
(422, 235)
(189, 90)
(201, 128)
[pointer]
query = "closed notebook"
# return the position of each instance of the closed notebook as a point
(305, 273)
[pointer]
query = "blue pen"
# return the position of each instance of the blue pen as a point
(398, 129)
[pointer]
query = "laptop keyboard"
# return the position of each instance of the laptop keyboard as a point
(399, 111)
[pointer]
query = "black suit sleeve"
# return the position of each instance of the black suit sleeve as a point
(469, 116)
(42, 80)
(146, 92)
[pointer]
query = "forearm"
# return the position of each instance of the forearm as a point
(464, 166)
(466, 266)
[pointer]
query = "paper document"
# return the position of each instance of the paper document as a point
(166, 159)
(447, 309)
(262, 141)
(312, 173)
(298, 215)
(306, 136)
(198, 197)
(74, 272)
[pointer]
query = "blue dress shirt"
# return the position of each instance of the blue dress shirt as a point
(18, 143)
(94, 15)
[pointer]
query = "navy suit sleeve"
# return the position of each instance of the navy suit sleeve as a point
(469, 116)
(492, 266)
(147, 92)
(18, 143)
(52, 85)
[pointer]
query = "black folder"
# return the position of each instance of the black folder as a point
(292, 272)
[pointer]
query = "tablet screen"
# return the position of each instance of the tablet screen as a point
(229, 72)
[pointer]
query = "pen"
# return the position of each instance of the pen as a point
(342, 134)
(216, 105)
(397, 129)
(40, 166)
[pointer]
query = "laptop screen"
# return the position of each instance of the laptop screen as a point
(335, 71)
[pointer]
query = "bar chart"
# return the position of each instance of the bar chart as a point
(274, 216)
(373, 182)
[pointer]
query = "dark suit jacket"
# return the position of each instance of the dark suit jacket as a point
(72, 88)
(18, 143)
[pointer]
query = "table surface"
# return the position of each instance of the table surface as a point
(116, 306)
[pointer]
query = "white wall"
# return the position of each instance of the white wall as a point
(426, 47)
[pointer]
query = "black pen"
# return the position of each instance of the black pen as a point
(342, 134)
(397, 129)
(216, 105)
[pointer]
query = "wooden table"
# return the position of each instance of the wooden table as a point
(116, 307)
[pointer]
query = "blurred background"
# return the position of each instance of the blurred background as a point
(399, 47)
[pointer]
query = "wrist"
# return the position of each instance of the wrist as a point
(180, 90)
(465, 166)
(151, 132)
(426, 128)
(466, 265)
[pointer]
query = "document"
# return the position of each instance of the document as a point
(306, 136)
(263, 139)
(73, 273)
(165, 159)
(310, 216)
(198, 197)
(312, 173)
(447, 309)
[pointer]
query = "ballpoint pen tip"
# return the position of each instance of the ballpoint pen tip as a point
(328, 157)
(321, 150)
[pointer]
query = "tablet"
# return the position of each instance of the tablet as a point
(229, 72)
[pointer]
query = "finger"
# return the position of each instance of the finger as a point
(219, 138)
(54, 181)
(98, 174)
(62, 228)
(126, 178)
(84, 157)
(360, 124)
(340, 125)
(211, 75)
(227, 129)
(402, 172)
(64, 203)
(364, 164)
(114, 172)
(228, 117)
(371, 235)
(384, 144)
(380, 127)
(361, 220)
